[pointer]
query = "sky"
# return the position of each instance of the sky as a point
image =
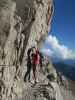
(61, 39)
(63, 24)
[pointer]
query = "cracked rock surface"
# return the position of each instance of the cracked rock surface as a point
(21, 23)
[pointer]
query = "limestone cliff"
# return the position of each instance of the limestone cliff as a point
(21, 23)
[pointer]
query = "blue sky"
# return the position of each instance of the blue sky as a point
(63, 24)
(61, 39)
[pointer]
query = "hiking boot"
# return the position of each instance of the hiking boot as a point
(32, 82)
(35, 82)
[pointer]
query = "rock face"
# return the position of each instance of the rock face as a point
(21, 23)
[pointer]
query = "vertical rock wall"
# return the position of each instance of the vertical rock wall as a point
(21, 23)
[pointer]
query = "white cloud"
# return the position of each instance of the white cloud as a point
(58, 49)
(47, 51)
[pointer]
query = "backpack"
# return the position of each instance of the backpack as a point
(28, 54)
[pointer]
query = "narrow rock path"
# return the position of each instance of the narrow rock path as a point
(40, 91)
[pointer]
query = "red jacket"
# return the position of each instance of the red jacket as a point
(36, 58)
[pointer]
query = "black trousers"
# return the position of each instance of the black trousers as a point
(28, 71)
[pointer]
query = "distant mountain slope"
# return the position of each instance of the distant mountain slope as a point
(65, 69)
(70, 62)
